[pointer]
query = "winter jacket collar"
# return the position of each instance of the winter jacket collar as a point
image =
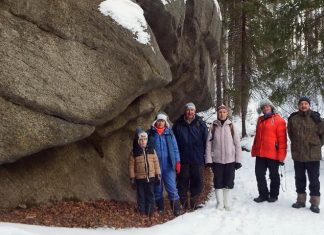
(181, 120)
(218, 122)
(160, 130)
(167, 131)
(305, 114)
(138, 150)
(188, 121)
(267, 115)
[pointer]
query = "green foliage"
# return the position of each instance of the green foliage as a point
(284, 47)
(286, 38)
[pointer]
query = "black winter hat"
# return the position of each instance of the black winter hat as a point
(304, 98)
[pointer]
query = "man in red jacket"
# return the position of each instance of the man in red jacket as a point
(269, 148)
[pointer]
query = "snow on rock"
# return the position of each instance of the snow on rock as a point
(165, 2)
(218, 9)
(129, 15)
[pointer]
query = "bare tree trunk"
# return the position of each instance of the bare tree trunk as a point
(245, 81)
(224, 59)
(219, 99)
(236, 42)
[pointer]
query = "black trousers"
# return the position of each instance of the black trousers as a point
(145, 196)
(261, 166)
(190, 179)
(313, 173)
(224, 175)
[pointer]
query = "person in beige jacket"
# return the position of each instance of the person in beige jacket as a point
(144, 172)
(224, 156)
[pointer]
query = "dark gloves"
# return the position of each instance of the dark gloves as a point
(210, 165)
(237, 165)
(281, 163)
(316, 117)
(157, 180)
(178, 167)
(133, 183)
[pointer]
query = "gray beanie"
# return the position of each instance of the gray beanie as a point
(266, 102)
(304, 98)
(190, 106)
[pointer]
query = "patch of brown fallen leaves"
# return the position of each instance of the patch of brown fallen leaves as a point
(100, 213)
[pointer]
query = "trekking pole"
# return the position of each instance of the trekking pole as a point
(285, 178)
(283, 187)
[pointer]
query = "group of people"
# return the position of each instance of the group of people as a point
(306, 133)
(173, 158)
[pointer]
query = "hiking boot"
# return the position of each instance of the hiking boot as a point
(260, 199)
(150, 210)
(301, 201)
(176, 208)
(160, 206)
(315, 202)
(184, 203)
(315, 209)
(198, 206)
(194, 204)
(298, 205)
(272, 199)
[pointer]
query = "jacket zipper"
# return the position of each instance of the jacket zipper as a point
(146, 166)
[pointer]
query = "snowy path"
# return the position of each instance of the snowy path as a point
(247, 217)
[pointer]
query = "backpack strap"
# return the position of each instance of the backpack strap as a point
(214, 129)
(232, 129)
(213, 132)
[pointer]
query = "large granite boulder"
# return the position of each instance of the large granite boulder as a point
(74, 85)
(188, 34)
(71, 62)
(24, 131)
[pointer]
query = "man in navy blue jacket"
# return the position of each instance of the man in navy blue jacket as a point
(191, 134)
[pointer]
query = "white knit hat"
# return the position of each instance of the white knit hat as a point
(161, 116)
(142, 135)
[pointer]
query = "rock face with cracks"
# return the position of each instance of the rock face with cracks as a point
(74, 85)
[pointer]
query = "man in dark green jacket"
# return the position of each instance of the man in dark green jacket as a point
(306, 133)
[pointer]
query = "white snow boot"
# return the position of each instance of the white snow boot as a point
(219, 199)
(227, 199)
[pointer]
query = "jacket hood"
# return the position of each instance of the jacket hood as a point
(266, 102)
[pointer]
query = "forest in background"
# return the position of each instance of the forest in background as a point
(270, 49)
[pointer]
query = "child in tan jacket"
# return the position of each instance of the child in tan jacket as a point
(144, 172)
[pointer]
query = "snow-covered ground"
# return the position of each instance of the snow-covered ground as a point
(245, 218)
